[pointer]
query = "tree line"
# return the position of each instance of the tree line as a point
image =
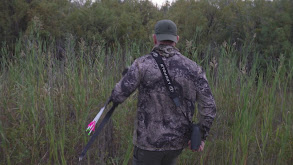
(262, 25)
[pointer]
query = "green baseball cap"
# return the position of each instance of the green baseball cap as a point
(166, 30)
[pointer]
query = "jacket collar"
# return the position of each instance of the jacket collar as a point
(165, 50)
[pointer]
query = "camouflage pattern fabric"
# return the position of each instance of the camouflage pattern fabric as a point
(160, 125)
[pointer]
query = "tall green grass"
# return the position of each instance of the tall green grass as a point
(46, 104)
(254, 117)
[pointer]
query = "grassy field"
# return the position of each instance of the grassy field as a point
(46, 104)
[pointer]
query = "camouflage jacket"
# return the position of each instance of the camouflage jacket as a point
(160, 125)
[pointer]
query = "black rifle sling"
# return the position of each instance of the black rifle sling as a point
(168, 81)
(97, 132)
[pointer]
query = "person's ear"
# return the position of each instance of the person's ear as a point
(177, 38)
(155, 39)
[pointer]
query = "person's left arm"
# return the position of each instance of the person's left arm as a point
(206, 106)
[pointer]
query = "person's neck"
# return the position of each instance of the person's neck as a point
(168, 43)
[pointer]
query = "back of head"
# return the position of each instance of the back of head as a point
(166, 30)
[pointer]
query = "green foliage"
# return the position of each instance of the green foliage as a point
(205, 22)
(46, 104)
